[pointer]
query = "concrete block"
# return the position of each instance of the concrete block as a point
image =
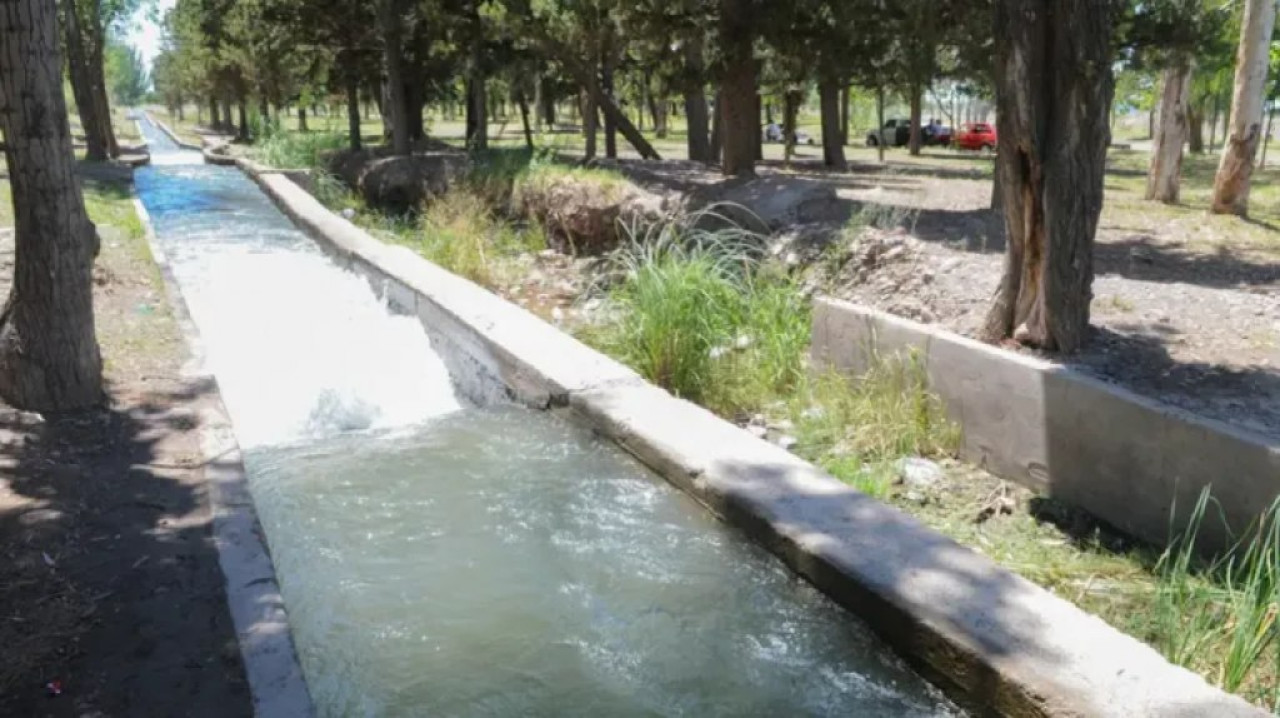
(1127, 459)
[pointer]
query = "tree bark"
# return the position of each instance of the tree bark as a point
(1195, 128)
(397, 113)
(916, 138)
(351, 79)
(302, 120)
(477, 112)
(524, 118)
(695, 101)
(1053, 91)
(1231, 185)
(1213, 123)
(739, 111)
(97, 40)
(1164, 177)
(790, 108)
(243, 133)
(610, 126)
(717, 130)
(81, 84)
(880, 123)
(832, 123)
(590, 118)
(1266, 136)
(844, 115)
(49, 358)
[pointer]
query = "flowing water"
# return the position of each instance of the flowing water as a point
(438, 559)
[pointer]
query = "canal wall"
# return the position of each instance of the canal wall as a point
(1127, 459)
(990, 638)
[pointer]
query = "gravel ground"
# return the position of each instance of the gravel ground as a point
(1186, 310)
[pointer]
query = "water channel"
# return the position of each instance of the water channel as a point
(441, 559)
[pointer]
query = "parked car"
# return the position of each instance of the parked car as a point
(773, 133)
(897, 133)
(977, 136)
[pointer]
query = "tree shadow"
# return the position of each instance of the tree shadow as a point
(111, 583)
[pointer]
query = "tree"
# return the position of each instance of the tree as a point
(1231, 185)
(737, 102)
(1053, 92)
(49, 359)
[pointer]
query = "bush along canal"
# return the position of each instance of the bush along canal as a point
(442, 558)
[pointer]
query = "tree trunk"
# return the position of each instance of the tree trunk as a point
(1266, 136)
(302, 119)
(352, 82)
(81, 84)
(739, 111)
(97, 41)
(1231, 185)
(1213, 123)
(790, 108)
(397, 112)
(1164, 177)
(832, 124)
(844, 116)
(1053, 90)
(49, 358)
(916, 138)
(213, 112)
(590, 118)
(695, 101)
(610, 127)
(548, 104)
(524, 118)
(477, 112)
(880, 123)
(717, 129)
(243, 133)
(759, 128)
(1195, 128)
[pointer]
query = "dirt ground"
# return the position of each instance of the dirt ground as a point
(111, 597)
(1186, 305)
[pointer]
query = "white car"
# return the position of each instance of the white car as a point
(773, 133)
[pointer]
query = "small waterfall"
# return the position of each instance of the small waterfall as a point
(301, 348)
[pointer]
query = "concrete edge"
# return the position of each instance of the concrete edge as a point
(991, 638)
(1129, 459)
(276, 682)
(172, 135)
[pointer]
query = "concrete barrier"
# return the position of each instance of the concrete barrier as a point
(1127, 459)
(991, 638)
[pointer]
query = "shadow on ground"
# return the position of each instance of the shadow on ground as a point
(110, 582)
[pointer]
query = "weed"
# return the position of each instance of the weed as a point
(297, 150)
(1219, 617)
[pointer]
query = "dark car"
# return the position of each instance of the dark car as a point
(897, 133)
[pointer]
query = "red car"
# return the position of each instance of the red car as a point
(978, 136)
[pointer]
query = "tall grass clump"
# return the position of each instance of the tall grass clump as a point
(297, 150)
(1218, 616)
(693, 312)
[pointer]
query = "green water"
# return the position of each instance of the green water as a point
(507, 563)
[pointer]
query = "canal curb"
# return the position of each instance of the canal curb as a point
(172, 135)
(997, 642)
(276, 681)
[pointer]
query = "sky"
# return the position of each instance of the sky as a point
(143, 31)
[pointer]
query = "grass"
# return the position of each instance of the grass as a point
(1219, 617)
(695, 313)
(296, 150)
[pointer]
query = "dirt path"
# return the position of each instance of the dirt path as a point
(109, 581)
